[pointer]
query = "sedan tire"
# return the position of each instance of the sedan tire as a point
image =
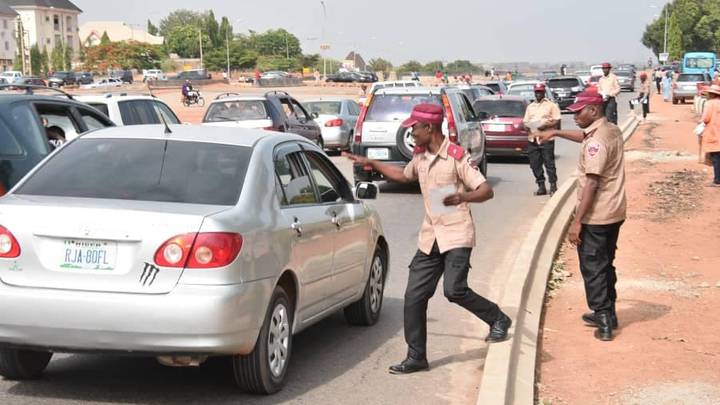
(366, 311)
(17, 364)
(263, 371)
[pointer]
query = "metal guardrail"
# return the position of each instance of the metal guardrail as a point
(282, 82)
(160, 84)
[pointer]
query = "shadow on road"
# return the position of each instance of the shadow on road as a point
(320, 354)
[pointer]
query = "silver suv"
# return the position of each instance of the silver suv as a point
(378, 134)
(686, 86)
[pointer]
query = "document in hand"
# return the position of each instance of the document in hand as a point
(437, 195)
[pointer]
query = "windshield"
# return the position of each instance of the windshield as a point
(691, 78)
(699, 63)
(624, 73)
(563, 83)
(236, 111)
(524, 90)
(143, 170)
(494, 86)
(500, 108)
(393, 107)
(324, 107)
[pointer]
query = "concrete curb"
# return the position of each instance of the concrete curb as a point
(509, 371)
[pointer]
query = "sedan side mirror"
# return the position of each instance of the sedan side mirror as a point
(315, 115)
(366, 191)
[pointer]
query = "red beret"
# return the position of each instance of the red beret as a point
(585, 99)
(425, 113)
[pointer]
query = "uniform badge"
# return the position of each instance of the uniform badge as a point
(593, 149)
(455, 151)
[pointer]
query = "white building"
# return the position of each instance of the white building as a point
(48, 23)
(8, 47)
(91, 33)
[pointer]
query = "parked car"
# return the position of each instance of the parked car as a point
(498, 86)
(349, 77)
(198, 74)
(165, 250)
(126, 109)
(382, 85)
(11, 76)
(83, 78)
(126, 76)
(626, 78)
(686, 86)
(565, 89)
(274, 74)
(33, 81)
(336, 119)
(378, 134)
(153, 74)
(474, 92)
(103, 84)
(593, 82)
(62, 79)
(502, 122)
(584, 75)
(273, 111)
(370, 76)
(24, 142)
(548, 74)
(525, 89)
(596, 70)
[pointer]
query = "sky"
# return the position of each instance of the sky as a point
(481, 31)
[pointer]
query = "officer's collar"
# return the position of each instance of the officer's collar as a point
(589, 131)
(442, 152)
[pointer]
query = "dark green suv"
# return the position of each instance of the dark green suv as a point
(24, 121)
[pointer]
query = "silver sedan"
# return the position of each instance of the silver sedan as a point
(182, 245)
(337, 121)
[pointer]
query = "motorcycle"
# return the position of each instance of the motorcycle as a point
(193, 97)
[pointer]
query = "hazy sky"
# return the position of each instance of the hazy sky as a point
(400, 30)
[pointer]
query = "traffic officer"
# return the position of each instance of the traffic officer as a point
(609, 88)
(448, 184)
(601, 207)
(540, 115)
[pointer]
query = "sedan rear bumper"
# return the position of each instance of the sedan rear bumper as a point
(335, 137)
(192, 319)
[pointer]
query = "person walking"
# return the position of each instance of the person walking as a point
(644, 96)
(659, 74)
(609, 88)
(667, 86)
(601, 207)
(447, 236)
(540, 115)
(711, 134)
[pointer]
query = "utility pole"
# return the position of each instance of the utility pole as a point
(287, 47)
(666, 29)
(227, 46)
(323, 46)
(202, 66)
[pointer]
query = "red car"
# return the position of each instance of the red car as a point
(502, 122)
(593, 83)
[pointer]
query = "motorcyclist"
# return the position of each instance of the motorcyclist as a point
(187, 89)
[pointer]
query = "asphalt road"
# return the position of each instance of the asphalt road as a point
(333, 362)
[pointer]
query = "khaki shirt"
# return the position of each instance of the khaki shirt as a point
(645, 88)
(544, 111)
(603, 155)
(609, 85)
(451, 230)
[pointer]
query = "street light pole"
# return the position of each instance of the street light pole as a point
(227, 48)
(202, 66)
(322, 40)
(666, 30)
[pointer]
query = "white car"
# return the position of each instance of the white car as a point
(596, 70)
(238, 112)
(126, 109)
(153, 74)
(12, 77)
(388, 84)
(584, 75)
(104, 83)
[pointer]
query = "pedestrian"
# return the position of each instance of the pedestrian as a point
(601, 207)
(644, 96)
(609, 88)
(563, 70)
(542, 114)
(711, 134)
(448, 184)
(667, 86)
(659, 74)
(438, 77)
(257, 77)
(508, 77)
(316, 75)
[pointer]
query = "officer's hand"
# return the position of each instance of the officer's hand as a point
(544, 136)
(454, 199)
(574, 233)
(359, 160)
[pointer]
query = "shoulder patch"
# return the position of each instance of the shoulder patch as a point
(593, 148)
(455, 151)
(418, 150)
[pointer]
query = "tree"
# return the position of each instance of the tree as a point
(212, 29)
(274, 43)
(35, 60)
(180, 18)
(272, 62)
(151, 28)
(310, 61)
(185, 41)
(462, 66)
(123, 55)
(675, 39)
(45, 61)
(433, 66)
(68, 57)
(226, 30)
(411, 66)
(56, 57)
(380, 65)
(696, 27)
(240, 57)
(105, 39)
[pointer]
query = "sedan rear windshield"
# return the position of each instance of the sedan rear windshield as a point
(324, 107)
(624, 73)
(494, 86)
(143, 170)
(501, 108)
(562, 83)
(237, 111)
(686, 77)
(394, 107)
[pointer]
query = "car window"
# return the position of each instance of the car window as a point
(395, 107)
(30, 133)
(687, 77)
(288, 109)
(59, 116)
(466, 107)
(501, 108)
(167, 113)
(138, 112)
(563, 83)
(239, 110)
(300, 111)
(144, 170)
(324, 107)
(354, 109)
(9, 146)
(294, 180)
(92, 120)
(102, 107)
(332, 187)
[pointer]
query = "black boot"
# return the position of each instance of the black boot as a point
(604, 327)
(541, 189)
(553, 188)
(591, 318)
(499, 329)
(409, 365)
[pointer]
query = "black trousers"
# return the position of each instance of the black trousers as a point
(611, 110)
(658, 84)
(542, 155)
(425, 273)
(597, 254)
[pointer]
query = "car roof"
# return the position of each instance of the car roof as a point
(498, 97)
(329, 100)
(239, 98)
(7, 98)
(563, 77)
(524, 83)
(193, 133)
(408, 90)
(111, 97)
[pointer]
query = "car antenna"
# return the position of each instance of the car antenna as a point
(167, 127)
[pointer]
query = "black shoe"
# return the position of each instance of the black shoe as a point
(591, 320)
(553, 188)
(409, 365)
(604, 327)
(499, 329)
(541, 190)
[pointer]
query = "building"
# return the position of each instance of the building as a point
(354, 62)
(91, 33)
(48, 23)
(8, 47)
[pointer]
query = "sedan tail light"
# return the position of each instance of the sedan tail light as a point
(199, 250)
(334, 123)
(9, 246)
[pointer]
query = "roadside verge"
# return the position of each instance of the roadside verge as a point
(509, 371)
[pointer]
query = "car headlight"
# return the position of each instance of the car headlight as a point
(576, 88)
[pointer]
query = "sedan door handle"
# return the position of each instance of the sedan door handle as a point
(297, 227)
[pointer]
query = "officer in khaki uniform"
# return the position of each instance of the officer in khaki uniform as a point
(447, 235)
(609, 88)
(601, 208)
(542, 114)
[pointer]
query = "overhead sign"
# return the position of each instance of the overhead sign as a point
(324, 47)
(663, 57)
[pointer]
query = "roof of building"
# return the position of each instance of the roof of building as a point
(5, 9)
(92, 31)
(59, 4)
